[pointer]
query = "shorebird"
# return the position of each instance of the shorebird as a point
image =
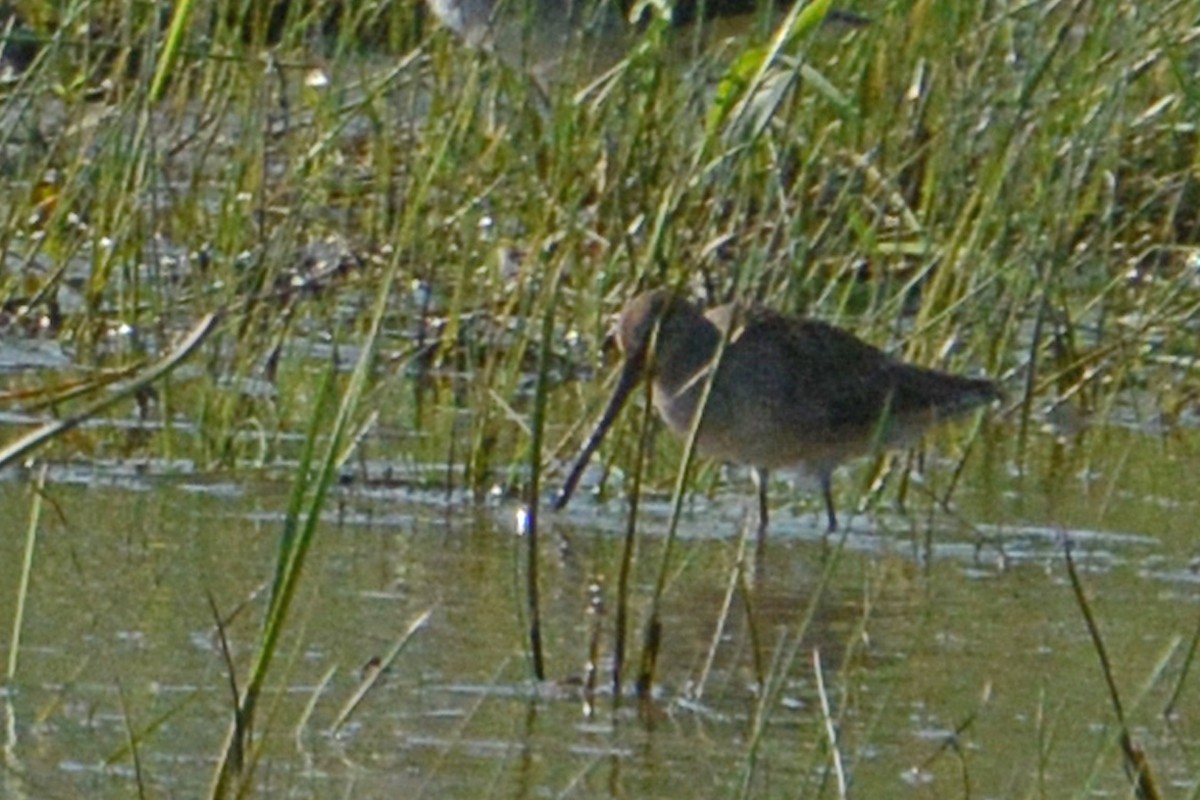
(785, 391)
(549, 38)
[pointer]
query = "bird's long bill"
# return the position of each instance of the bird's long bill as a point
(630, 373)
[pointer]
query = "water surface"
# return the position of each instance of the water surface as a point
(954, 657)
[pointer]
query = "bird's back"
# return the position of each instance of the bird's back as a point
(795, 390)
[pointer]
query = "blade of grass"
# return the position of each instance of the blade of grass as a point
(628, 552)
(745, 78)
(735, 582)
(537, 428)
(230, 675)
(302, 518)
(31, 535)
(132, 741)
(372, 679)
(1137, 767)
(654, 625)
(1188, 661)
(830, 727)
(294, 540)
(180, 17)
(787, 652)
(311, 705)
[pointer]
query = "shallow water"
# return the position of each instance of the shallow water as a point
(954, 657)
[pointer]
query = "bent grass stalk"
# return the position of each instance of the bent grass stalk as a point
(1137, 765)
(163, 367)
(315, 697)
(1185, 669)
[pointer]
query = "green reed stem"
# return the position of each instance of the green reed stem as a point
(629, 549)
(538, 427)
(180, 18)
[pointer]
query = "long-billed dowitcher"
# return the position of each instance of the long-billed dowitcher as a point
(553, 38)
(787, 391)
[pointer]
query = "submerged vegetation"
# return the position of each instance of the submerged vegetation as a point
(284, 239)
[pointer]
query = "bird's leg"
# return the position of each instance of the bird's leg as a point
(827, 494)
(762, 477)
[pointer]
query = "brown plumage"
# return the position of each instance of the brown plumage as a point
(787, 391)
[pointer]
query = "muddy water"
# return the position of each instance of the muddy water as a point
(954, 658)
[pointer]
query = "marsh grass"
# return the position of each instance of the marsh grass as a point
(1008, 188)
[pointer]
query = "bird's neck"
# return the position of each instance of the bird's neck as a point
(684, 356)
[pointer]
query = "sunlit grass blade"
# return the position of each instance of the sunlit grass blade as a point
(835, 752)
(735, 584)
(31, 536)
(168, 57)
(377, 671)
(748, 73)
